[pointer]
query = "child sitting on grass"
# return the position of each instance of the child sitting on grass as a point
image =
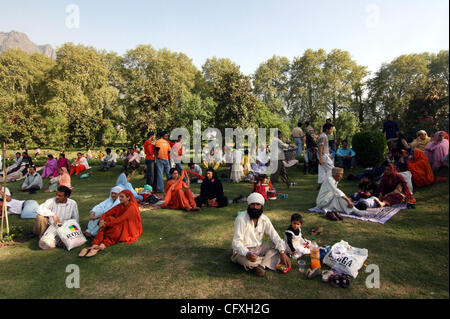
(296, 244)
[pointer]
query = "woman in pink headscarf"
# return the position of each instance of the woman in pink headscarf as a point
(50, 167)
(62, 180)
(437, 150)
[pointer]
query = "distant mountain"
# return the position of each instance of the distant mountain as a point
(17, 40)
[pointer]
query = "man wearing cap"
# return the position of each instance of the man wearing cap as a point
(33, 181)
(331, 198)
(248, 248)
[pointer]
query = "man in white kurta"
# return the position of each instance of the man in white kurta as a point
(324, 157)
(56, 211)
(331, 198)
(248, 248)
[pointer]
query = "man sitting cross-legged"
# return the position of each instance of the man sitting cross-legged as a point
(248, 248)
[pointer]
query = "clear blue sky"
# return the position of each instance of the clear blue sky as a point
(247, 31)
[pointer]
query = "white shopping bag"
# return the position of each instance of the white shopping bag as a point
(345, 258)
(50, 238)
(71, 235)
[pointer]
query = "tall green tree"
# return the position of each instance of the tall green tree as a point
(232, 93)
(80, 92)
(271, 83)
(306, 86)
(22, 92)
(397, 83)
(156, 84)
(343, 78)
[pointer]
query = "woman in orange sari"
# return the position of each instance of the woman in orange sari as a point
(175, 196)
(121, 223)
(418, 164)
(79, 165)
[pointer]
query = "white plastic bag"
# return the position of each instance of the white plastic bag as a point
(345, 258)
(71, 235)
(50, 238)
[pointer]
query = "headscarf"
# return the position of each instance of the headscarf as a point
(107, 204)
(436, 137)
(211, 188)
(64, 179)
(123, 182)
(389, 183)
(422, 132)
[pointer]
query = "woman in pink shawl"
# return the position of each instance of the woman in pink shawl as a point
(437, 150)
(62, 180)
(50, 167)
(62, 162)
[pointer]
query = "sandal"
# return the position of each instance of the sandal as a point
(313, 273)
(83, 252)
(326, 274)
(345, 281)
(93, 252)
(338, 215)
(331, 216)
(316, 231)
(335, 280)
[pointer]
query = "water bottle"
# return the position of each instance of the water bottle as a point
(315, 254)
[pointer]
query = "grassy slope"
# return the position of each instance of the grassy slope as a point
(187, 255)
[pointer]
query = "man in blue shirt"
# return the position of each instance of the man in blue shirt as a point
(345, 156)
(390, 130)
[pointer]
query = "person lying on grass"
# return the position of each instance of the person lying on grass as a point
(248, 248)
(121, 223)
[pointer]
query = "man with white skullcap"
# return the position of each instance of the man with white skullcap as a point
(332, 200)
(248, 248)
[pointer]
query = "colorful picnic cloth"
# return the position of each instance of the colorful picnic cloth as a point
(376, 215)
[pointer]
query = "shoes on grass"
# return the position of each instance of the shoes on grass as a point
(259, 271)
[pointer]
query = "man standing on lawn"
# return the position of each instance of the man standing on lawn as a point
(55, 211)
(149, 150)
(248, 247)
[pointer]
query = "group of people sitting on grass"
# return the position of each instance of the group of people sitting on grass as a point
(57, 171)
(117, 218)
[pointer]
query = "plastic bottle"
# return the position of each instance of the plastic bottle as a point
(315, 254)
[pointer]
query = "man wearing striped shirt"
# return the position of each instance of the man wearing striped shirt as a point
(56, 211)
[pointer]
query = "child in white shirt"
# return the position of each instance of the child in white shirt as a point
(296, 244)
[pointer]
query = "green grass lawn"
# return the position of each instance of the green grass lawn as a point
(187, 254)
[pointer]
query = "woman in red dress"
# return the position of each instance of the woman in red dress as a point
(121, 223)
